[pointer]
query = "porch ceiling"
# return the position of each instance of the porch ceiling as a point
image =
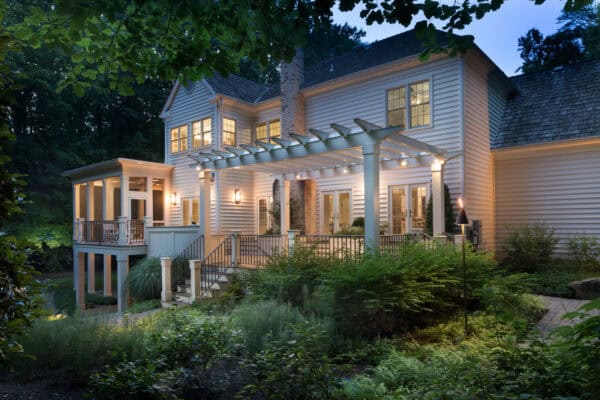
(340, 151)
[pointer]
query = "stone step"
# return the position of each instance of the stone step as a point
(187, 282)
(183, 298)
(184, 289)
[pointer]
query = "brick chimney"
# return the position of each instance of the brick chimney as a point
(292, 102)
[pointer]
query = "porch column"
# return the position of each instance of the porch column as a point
(166, 294)
(105, 200)
(122, 290)
(91, 272)
(107, 274)
(235, 248)
(79, 278)
(196, 280)
(124, 196)
(205, 228)
(75, 211)
(284, 205)
(90, 201)
(437, 195)
(371, 184)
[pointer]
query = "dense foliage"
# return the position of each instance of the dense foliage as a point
(530, 247)
(144, 278)
(578, 39)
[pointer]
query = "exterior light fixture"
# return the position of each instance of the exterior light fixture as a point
(174, 199)
(345, 170)
(463, 221)
(198, 167)
(404, 163)
(436, 165)
(237, 196)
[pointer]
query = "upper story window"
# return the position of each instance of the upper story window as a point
(416, 96)
(267, 130)
(179, 139)
(229, 131)
(201, 132)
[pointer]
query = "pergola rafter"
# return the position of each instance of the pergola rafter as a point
(339, 152)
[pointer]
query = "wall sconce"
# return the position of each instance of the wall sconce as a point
(174, 199)
(237, 196)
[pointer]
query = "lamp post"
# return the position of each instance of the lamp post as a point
(463, 221)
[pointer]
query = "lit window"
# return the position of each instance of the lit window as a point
(201, 131)
(261, 131)
(420, 111)
(190, 209)
(267, 130)
(417, 97)
(396, 107)
(179, 138)
(229, 132)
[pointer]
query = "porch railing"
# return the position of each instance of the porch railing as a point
(216, 265)
(110, 232)
(341, 246)
(101, 232)
(256, 250)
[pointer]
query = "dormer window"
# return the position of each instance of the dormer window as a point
(229, 132)
(179, 138)
(417, 97)
(201, 133)
(267, 130)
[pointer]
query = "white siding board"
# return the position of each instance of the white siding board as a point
(558, 187)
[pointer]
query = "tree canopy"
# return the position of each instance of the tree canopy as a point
(578, 39)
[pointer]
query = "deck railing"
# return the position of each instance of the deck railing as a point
(255, 250)
(101, 232)
(110, 232)
(341, 246)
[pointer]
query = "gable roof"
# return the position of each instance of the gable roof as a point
(552, 105)
(360, 58)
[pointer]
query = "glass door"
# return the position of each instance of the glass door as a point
(398, 210)
(407, 208)
(337, 211)
(263, 216)
(418, 207)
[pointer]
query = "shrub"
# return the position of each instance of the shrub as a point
(383, 294)
(529, 247)
(143, 306)
(46, 258)
(73, 348)
(584, 251)
(188, 338)
(144, 279)
(554, 279)
(296, 368)
(269, 319)
(290, 279)
(132, 381)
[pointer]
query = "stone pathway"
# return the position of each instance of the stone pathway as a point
(557, 307)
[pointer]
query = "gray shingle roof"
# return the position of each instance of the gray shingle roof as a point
(552, 105)
(237, 87)
(360, 58)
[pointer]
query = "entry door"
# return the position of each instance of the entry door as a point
(336, 211)
(408, 204)
(138, 209)
(264, 223)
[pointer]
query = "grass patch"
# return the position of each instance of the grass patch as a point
(554, 279)
(142, 306)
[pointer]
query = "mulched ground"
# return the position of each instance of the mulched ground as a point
(37, 391)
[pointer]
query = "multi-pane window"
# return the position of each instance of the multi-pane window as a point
(201, 131)
(267, 130)
(396, 107)
(190, 209)
(261, 131)
(416, 96)
(179, 139)
(420, 110)
(229, 131)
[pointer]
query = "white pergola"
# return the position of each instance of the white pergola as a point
(370, 149)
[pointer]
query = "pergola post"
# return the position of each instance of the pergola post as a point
(371, 184)
(166, 294)
(284, 205)
(437, 195)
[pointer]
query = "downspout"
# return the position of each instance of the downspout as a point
(217, 174)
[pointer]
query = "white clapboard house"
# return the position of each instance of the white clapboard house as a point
(374, 133)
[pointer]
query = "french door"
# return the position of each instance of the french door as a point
(337, 211)
(408, 204)
(264, 218)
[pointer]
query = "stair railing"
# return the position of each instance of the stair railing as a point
(216, 265)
